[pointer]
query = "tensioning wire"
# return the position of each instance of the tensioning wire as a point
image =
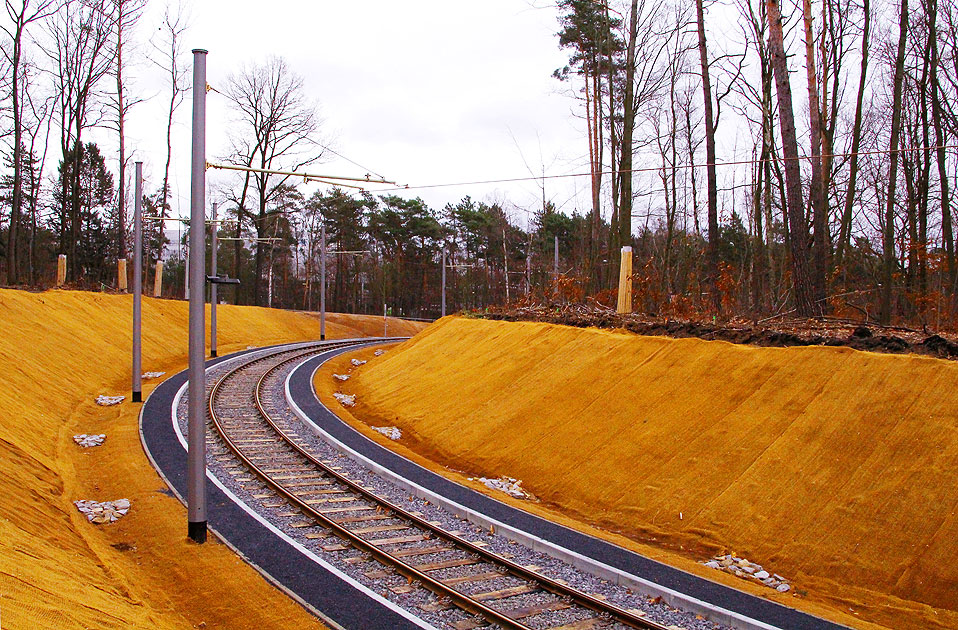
(655, 169)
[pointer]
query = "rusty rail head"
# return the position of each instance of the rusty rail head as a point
(439, 588)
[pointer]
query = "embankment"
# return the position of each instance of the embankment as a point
(833, 467)
(58, 351)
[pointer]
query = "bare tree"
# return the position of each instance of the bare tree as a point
(169, 51)
(82, 55)
(647, 45)
(37, 132)
(816, 188)
(710, 174)
(798, 233)
(21, 14)
(278, 127)
(758, 95)
(888, 239)
(937, 114)
(845, 229)
(126, 14)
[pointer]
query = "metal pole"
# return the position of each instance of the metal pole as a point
(196, 462)
(137, 284)
(385, 322)
(213, 286)
(443, 279)
(322, 287)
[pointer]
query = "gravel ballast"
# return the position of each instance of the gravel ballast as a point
(357, 566)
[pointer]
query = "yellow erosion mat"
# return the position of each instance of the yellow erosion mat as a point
(58, 351)
(835, 468)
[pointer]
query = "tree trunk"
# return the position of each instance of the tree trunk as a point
(816, 187)
(238, 244)
(13, 275)
(844, 239)
(593, 150)
(597, 177)
(798, 232)
(713, 235)
(888, 240)
(75, 218)
(924, 181)
(120, 116)
(936, 112)
(614, 239)
(628, 127)
(260, 224)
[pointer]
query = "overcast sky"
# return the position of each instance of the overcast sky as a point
(424, 92)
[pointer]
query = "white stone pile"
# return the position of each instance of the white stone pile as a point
(107, 401)
(742, 568)
(393, 433)
(89, 441)
(103, 512)
(341, 377)
(356, 362)
(512, 487)
(150, 375)
(379, 353)
(346, 400)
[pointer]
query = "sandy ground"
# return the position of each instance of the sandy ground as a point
(833, 467)
(59, 350)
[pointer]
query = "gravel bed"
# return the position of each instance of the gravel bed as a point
(283, 518)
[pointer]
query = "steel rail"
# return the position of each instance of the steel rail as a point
(433, 584)
(545, 583)
(408, 571)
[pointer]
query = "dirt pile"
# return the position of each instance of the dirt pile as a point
(833, 467)
(771, 333)
(59, 350)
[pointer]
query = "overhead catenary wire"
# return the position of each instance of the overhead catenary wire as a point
(210, 88)
(306, 176)
(655, 169)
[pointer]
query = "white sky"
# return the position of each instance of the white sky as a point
(423, 92)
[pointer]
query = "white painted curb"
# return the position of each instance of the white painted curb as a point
(272, 528)
(672, 597)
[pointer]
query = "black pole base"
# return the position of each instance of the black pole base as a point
(322, 337)
(213, 354)
(137, 396)
(197, 531)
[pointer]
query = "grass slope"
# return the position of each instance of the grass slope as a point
(58, 351)
(833, 467)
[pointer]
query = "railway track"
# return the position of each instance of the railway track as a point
(260, 442)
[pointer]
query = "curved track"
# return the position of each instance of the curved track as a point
(345, 515)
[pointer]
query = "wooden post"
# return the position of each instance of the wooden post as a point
(158, 279)
(625, 282)
(61, 270)
(121, 274)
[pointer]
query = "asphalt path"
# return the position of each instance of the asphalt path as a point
(346, 604)
(300, 390)
(335, 600)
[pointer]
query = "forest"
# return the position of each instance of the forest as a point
(836, 200)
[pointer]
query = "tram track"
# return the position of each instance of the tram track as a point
(341, 515)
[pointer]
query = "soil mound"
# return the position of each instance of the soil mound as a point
(59, 350)
(831, 467)
(774, 333)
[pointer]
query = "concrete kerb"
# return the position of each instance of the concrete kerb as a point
(217, 362)
(216, 533)
(672, 597)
